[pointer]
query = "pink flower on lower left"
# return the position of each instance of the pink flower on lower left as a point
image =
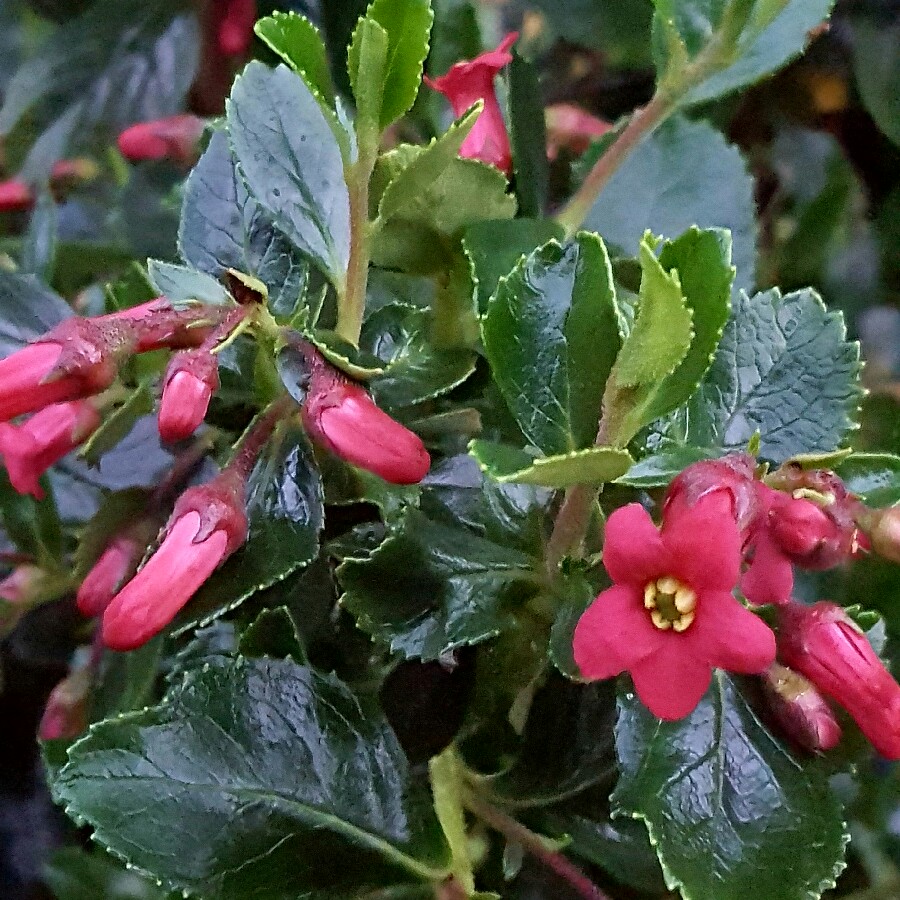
(670, 618)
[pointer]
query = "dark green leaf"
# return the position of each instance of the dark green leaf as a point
(291, 162)
(874, 476)
(126, 681)
(28, 309)
(414, 370)
(39, 244)
(658, 469)
(494, 248)
(298, 42)
(528, 136)
(684, 174)
(74, 874)
(407, 24)
(284, 506)
(551, 335)
(118, 423)
(223, 227)
(32, 525)
(876, 59)
(121, 61)
(593, 465)
(725, 804)
(576, 594)
(273, 633)
(257, 777)
(784, 368)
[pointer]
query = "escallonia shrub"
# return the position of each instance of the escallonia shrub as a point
(419, 514)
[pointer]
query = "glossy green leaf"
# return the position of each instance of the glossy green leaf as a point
(414, 370)
(223, 227)
(273, 633)
(876, 62)
(126, 681)
(183, 285)
(298, 42)
(593, 465)
(284, 507)
(407, 24)
(119, 62)
(875, 477)
(659, 469)
(28, 309)
(551, 334)
(685, 174)
(291, 162)
(72, 873)
(256, 775)
(32, 525)
(784, 368)
(527, 135)
(725, 804)
(118, 423)
(367, 66)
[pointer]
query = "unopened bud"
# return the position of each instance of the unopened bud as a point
(883, 529)
(235, 31)
(175, 137)
(15, 196)
(115, 565)
(191, 379)
(802, 712)
(66, 711)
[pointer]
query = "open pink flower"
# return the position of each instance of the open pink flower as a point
(670, 617)
(471, 81)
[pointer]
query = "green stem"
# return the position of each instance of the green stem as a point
(536, 846)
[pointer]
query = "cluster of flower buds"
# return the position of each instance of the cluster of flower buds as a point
(176, 138)
(18, 196)
(464, 85)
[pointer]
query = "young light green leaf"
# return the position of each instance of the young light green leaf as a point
(256, 772)
(551, 334)
(292, 163)
(368, 62)
(298, 42)
(182, 285)
(719, 779)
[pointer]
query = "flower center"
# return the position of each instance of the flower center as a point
(671, 604)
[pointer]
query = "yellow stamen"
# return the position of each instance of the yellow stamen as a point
(671, 604)
(650, 596)
(684, 622)
(685, 600)
(660, 621)
(668, 585)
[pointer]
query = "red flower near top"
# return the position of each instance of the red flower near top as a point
(670, 617)
(468, 82)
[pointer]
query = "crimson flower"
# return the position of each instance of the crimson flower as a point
(174, 137)
(826, 646)
(464, 85)
(44, 439)
(191, 380)
(670, 617)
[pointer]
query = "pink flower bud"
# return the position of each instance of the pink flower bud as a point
(191, 380)
(49, 435)
(158, 325)
(116, 564)
(809, 534)
(15, 196)
(826, 646)
(731, 479)
(340, 416)
(802, 712)
(175, 137)
(207, 525)
(883, 526)
(69, 172)
(471, 81)
(572, 128)
(235, 32)
(19, 591)
(65, 714)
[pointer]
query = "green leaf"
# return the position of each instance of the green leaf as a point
(765, 45)
(119, 62)
(494, 248)
(367, 67)
(256, 774)
(685, 174)
(875, 477)
(576, 594)
(551, 334)
(718, 779)
(32, 525)
(118, 423)
(284, 507)
(28, 309)
(223, 227)
(407, 24)
(291, 163)
(593, 465)
(273, 633)
(183, 285)
(126, 681)
(784, 368)
(38, 255)
(876, 63)
(74, 874)
(298, 42)
(527, 135)
(414, 370)
(659, 469)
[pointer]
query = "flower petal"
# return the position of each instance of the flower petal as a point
(671, 682)
(633, 551)
(613, 634)
(769, 578)
(706, 545)
(731, 637)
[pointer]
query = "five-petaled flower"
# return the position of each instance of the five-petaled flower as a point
(670, 616)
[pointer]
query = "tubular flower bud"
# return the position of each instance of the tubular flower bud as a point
(22, 589)
(235, 32)
(341, 417)
(115, 565)
(468, 82)
(670, 616)
(65, 713)
(157, 325)
(15, 196)
(572, 128)
(191, 380)
(802, 712)
(49, 435)
(175, 137)
(883, 527)
(826, 646)
(207, 525)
